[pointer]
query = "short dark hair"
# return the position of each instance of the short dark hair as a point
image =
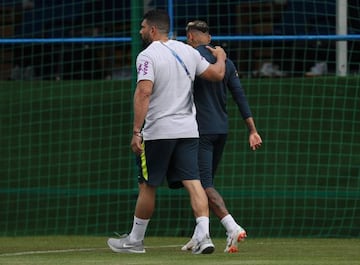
(198, 25)
(158, 18)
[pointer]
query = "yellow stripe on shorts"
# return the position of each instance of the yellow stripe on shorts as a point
(143, 163)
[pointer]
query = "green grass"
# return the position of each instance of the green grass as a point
(93, 250)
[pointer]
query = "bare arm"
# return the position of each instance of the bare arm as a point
(216, 71)
(141, 104)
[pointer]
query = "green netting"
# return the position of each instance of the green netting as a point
(66, 120)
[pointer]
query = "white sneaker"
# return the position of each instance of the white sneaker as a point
(233, 239)
(205, 246)
(123, 245)
(270, 70)
(277, 72)
(266, 70)
(318, 69)
(189, 245)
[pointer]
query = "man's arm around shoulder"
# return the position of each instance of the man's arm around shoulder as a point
(216, 71)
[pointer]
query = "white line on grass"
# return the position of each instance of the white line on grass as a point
(48, 251)
(69, 250)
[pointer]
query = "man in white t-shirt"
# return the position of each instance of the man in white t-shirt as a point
(165, 133)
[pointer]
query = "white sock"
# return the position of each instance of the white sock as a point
(229, 223)
(138, 230)
(202, 228)
(195, 233)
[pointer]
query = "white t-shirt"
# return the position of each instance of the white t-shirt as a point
(171, 112)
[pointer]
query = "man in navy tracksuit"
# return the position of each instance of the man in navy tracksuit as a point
(212, 118)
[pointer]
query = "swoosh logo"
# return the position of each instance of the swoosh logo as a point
(127, 246)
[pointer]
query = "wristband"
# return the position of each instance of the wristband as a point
(137, 133)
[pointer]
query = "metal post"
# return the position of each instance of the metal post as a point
(341, 29)
(171, 15)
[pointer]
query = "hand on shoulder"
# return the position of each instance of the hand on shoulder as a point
(218, 52)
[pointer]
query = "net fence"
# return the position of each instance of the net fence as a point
(66, 119)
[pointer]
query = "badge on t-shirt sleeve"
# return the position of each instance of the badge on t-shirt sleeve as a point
(143, 68)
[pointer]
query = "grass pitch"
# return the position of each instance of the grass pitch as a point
(79, 250)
